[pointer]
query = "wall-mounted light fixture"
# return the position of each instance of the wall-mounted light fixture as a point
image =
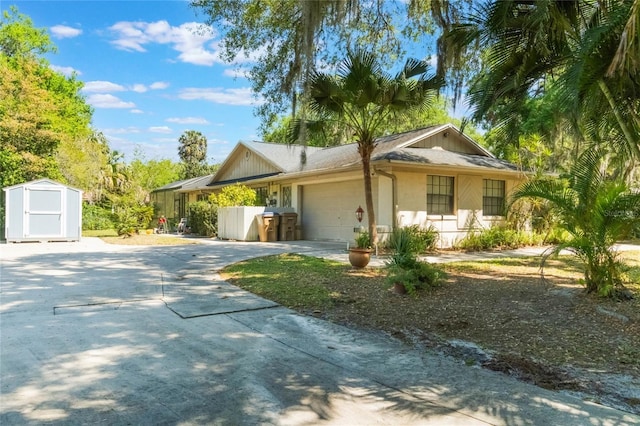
(359, 213)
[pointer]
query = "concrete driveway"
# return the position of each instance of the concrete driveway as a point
(99, 334)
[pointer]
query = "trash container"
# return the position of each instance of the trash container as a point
(268, 226)
(288, 226)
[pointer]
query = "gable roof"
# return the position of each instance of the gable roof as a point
(186, 184)
(277, 158)
(442, 145)
(398, 146)
(40, 181)
(445, 158)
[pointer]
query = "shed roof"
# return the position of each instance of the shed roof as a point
(42, 180)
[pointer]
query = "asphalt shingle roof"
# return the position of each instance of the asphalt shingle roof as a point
(283, 156)
(441, 157)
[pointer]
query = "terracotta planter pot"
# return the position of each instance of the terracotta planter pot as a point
(359, 258)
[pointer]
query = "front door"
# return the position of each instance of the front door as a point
(43, 208)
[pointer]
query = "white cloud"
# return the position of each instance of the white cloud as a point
(191, 40)
(108, 101)
(136, 111)
(122, 130)
(164, 140)
(159, 85)
(102, 87)
(160, 129)
(139, 88)
(68, 71)
(241, 96)
(63, 31)
(188, 120)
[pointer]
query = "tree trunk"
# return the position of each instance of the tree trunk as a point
(368, 194)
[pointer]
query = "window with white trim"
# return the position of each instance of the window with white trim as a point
(439, 195)
(493, 197)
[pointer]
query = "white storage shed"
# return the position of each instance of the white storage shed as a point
(42, 210)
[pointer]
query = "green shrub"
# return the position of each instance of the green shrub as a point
(498, 237)
(403, 266)
(234, 195)
(203, 218)
(402, 247)
(423, 240)
(95, 217)
(131, 218)
(363, 240)
(414, 275)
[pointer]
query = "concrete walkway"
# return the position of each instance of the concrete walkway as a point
(95, 333)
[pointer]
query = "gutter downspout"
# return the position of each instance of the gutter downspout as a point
(394, 194)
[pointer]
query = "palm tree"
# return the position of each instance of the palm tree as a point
(596, 211)
(361, 96)
(587, 48)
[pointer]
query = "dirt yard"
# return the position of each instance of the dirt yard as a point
(506, 317)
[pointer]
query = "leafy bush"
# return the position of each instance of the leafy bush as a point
(234, 195)
(412, 240)
(423, 240)
(95, 217)
(402, 247)
(404, 267)
(498, 237)
(414, 275)
(203, 218)
(131, 218)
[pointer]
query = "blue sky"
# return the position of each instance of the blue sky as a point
(147, 74)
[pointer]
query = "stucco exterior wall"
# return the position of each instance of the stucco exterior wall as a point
(467, 212)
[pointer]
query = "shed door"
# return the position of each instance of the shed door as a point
(43, 212)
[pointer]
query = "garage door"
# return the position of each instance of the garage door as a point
(329, 210)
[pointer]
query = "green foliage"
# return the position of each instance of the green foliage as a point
(404, 267)
(41, 111)
(283, 38)
(152, 174)
(409, 241)
(20, 39)
(402, 247)
(277, 278)
(361, 96)
(498, 237)
(203, 218)
(193, 153)
(95, 217)
(596, 212)
(423, 240)
(234, 195)
(414, 275)
(565, 70)
(131, 218)
(363, 240)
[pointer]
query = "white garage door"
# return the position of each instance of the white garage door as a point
(329, 210)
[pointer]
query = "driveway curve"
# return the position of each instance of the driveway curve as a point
(96, 333)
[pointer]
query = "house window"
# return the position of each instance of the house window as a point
(262, 196)
(286, 196)
(492, 197)
(439, 195)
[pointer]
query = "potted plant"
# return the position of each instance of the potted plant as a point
(360, 255)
